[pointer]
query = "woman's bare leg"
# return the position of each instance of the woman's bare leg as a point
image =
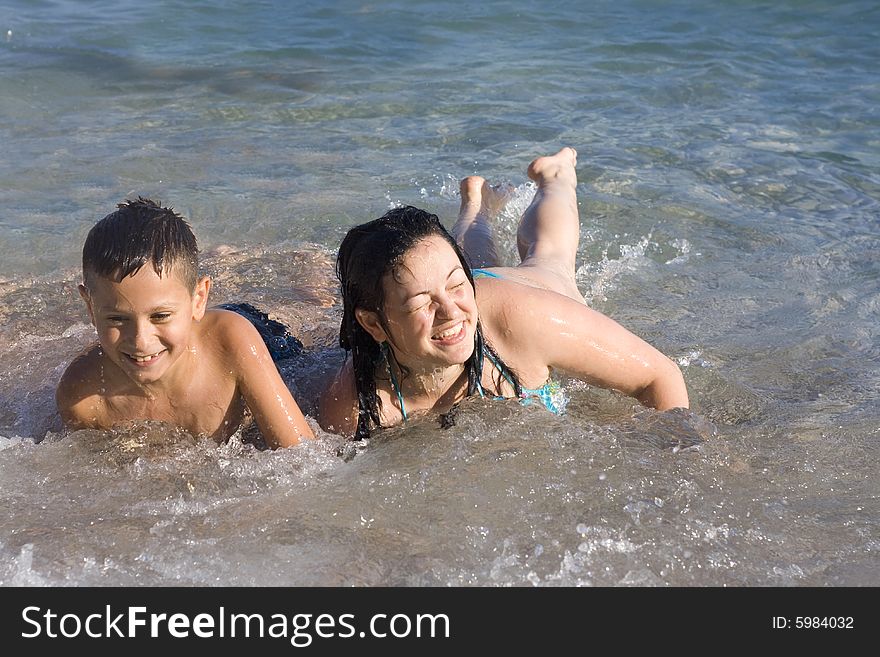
(480, 203)
(549, 231)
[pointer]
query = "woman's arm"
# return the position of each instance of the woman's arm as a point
(545, 329)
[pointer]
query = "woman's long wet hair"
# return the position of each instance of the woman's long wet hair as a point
(366, 255)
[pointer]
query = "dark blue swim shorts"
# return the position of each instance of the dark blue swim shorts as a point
(279, 341)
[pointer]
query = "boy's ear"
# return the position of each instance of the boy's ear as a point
(369, 320)
(84, 293)
(200, 298)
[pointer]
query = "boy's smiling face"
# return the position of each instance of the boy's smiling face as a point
(145, 321)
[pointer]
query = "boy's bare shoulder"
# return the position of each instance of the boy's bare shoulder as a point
(84, 371)
(228, 331)
(80, 391)
(232, 344)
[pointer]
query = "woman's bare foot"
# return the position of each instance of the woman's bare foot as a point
(479, 197)
(548, 235)
(471, 197)
(480, 203)
(554, 167)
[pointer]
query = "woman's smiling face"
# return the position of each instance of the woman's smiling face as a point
(430, 314)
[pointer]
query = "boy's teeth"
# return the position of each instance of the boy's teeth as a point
(144, 359)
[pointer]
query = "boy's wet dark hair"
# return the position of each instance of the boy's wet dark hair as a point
(367, 253)
(141, 232)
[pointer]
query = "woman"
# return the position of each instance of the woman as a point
(424, 330)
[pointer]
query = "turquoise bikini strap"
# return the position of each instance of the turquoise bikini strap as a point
(396, 387)
(500, 369)
(393, 380)
(484, 273)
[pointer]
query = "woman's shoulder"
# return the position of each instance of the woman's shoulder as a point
(521, 319)
(338, 407)
(509, 299)
(509, 313)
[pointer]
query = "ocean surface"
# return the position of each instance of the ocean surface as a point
(729, 195)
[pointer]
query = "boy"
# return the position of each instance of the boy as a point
(160, 354)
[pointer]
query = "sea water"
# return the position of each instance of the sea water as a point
(729, 167)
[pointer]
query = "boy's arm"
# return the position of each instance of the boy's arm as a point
(277, 414)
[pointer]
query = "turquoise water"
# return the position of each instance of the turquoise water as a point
(729, 166)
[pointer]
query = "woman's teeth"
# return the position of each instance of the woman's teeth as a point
(448, 333)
